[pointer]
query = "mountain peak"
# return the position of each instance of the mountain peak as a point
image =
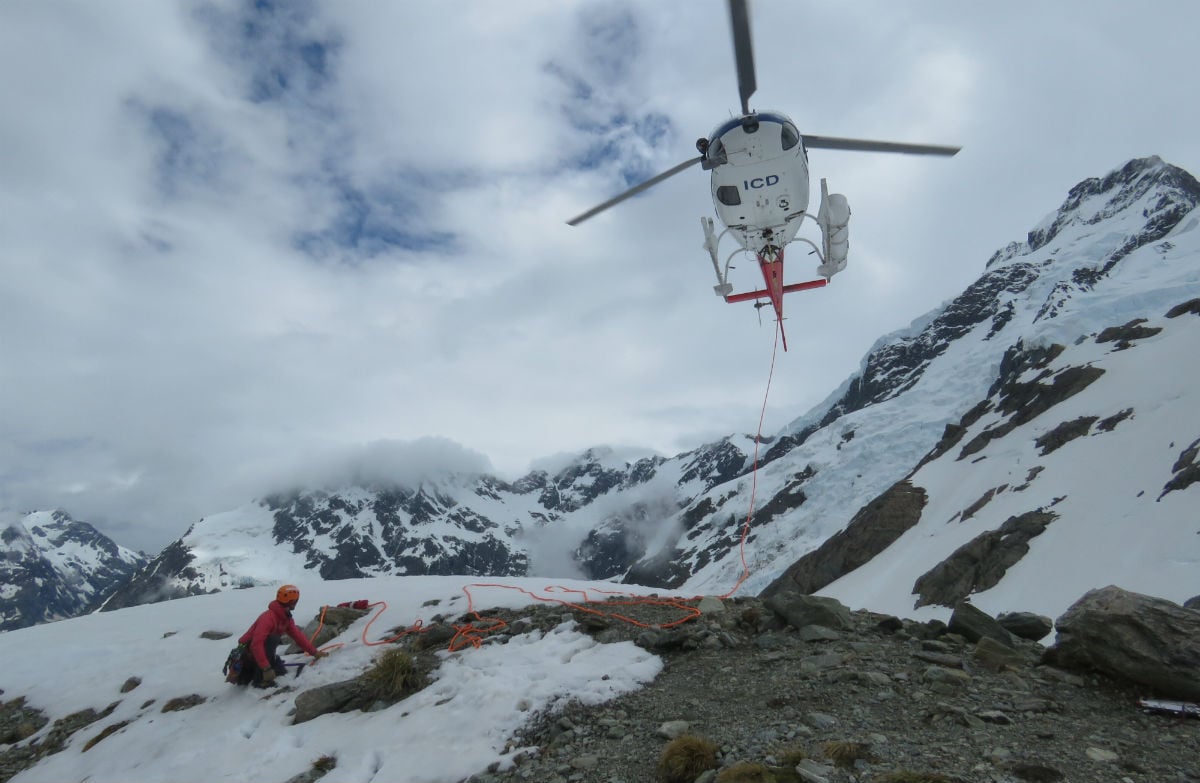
(53, 566)
(1173, 193)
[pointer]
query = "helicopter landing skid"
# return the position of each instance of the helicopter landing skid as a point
(711, 240)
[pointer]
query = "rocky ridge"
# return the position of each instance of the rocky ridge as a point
(921, 698)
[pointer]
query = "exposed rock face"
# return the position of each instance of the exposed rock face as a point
(872, 530)
(982, 562)
(1125, 334)
(1183, 308)
(1025, 401)
(891, 369)
(1133, 637)
(1064, 434)
(52, 567)
(166, 577)
(1186, 469)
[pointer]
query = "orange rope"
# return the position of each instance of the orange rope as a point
(754, 473)
(472, 634)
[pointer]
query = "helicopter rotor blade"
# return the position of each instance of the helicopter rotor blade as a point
(865, 145)
(636, 189)
(743, 53)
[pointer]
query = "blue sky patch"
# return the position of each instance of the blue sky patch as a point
(375, 220)
(282, 52)
(600, 81)
(188, 153)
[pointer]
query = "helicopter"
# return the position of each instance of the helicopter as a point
(760, 188)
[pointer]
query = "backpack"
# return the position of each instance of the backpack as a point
(233, 664)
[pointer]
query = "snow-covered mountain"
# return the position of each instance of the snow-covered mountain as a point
(1043, 423)
(52, 566)
(595, 515)
(1033, 438)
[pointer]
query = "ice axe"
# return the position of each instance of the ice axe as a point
(299, 667)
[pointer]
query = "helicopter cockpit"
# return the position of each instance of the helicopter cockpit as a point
(714, 147)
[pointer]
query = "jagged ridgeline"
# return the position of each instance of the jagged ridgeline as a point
(1046, 415)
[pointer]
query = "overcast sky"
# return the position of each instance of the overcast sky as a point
(248, 244)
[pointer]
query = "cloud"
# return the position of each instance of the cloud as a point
(382, 463)
(236, 232)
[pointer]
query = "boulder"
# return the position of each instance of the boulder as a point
(993, 655)
(799, 610)
(1192, 603)
(972, 623)
(1134, 637)
(343, 696)
(1026, 625)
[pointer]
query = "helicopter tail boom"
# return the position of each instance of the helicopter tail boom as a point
(771, 265)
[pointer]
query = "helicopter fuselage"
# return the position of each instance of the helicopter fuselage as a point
(760, 182)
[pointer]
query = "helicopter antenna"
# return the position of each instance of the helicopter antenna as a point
(743, 53)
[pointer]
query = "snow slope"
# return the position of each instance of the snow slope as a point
(1114, 524)
(1105, 259)
(455, 727)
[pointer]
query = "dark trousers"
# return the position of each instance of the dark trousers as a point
(251, 674)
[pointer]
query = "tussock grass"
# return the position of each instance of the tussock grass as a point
(685, 758)
(393, 676)
(844, 754)
(791, 755)
(325, 763)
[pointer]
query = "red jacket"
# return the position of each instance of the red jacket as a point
(276, 621)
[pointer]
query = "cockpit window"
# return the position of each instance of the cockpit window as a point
(729, 195)
(791, 136)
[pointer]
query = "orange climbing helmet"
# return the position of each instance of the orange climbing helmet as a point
(288, 594)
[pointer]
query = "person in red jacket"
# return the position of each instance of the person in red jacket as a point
(260, 664)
